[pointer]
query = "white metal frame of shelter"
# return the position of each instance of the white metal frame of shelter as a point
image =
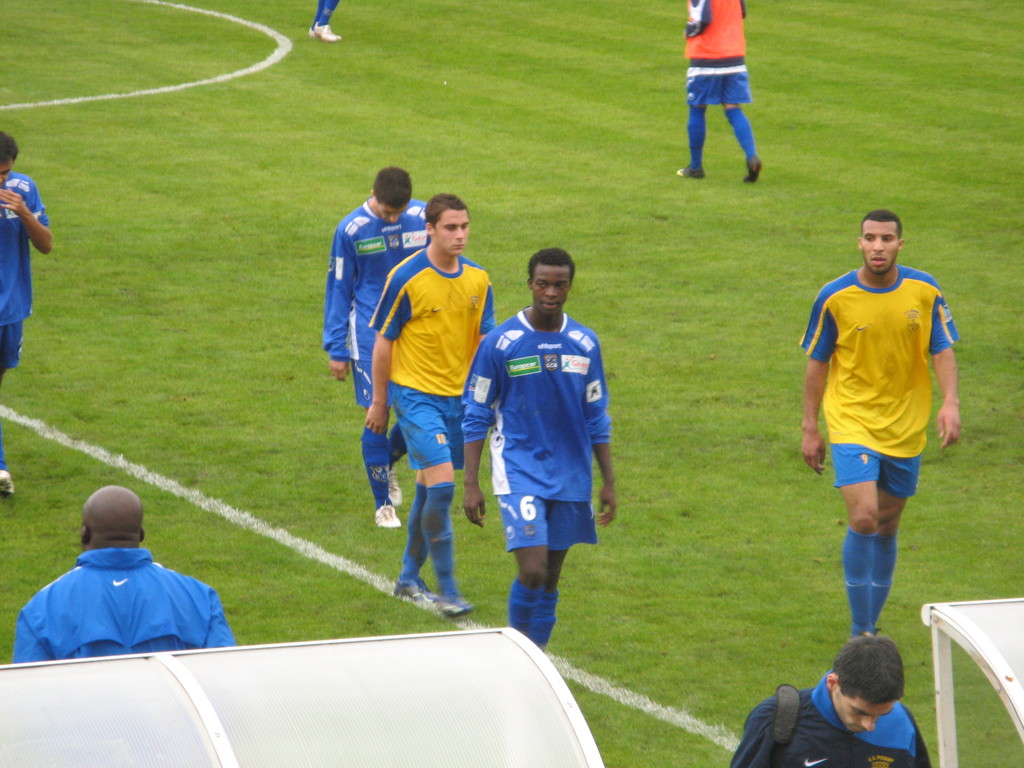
(992, 633)
(483, 698)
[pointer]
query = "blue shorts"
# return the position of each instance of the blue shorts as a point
(704, 87)
(557, 525)
(857, 464)
(431, 424)
(362, 379)
(10, 345)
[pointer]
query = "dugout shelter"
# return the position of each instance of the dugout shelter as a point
(992, 633)
(482, 698)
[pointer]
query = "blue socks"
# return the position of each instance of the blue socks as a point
(3, 461)
(324, 9)
(396, 444)
(743, 130)
(882, 570)
(697, 130)
(415, 554)
(436, 529)
(375, 459)
(532, 612)
(868, 564)
(858, 556)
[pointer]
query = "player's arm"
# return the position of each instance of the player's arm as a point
(472, 496)
(813, 444)
(609, 503)
(340, 293)
(948, 421)
(377, 413)
(38, 233)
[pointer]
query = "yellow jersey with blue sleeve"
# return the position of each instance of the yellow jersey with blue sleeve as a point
(878, 342)
(435, 320)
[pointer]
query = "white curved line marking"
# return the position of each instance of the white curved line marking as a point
(678, 717)
(284, 47)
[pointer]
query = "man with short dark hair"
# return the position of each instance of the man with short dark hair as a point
(537, 385)
(23, 220)
(368, 244)
(117, 600)
(435, 307)
(852, 718)
(870, 338)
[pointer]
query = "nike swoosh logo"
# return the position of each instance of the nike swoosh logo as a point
(119, 583)
(809, 762)
(437, 309)
(861, 328)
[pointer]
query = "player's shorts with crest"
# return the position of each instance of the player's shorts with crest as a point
(856, 464)
(431, 425)
(10, 345)
(530, 521)
(714, 85)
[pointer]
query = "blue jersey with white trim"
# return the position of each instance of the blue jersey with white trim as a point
(15, 261)
(365, 249)
(821, 738)
(544, 394)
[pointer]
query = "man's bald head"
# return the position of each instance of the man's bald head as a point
(112, 517)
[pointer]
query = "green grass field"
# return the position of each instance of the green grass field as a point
(177, 321)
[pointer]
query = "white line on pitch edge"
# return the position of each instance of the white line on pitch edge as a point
(679, 717)
(284, 46)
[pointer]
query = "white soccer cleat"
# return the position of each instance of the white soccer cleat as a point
(394, 489)
(6, 484)
(324, 32)
(386, 517)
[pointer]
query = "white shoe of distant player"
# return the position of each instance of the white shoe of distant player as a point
(6, 484)
(324, 32)
(394, 489)
(386, 517)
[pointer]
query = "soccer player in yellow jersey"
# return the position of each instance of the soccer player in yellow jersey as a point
(868, 342)
(435, 308)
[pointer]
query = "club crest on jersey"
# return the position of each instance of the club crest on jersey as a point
(881, 761)
(913, 320)
(576, 364)
(523, 366)
(395, 241)
(550, 362)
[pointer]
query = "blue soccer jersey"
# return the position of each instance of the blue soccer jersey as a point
(544, 393)
(366, 248)
(15, 264)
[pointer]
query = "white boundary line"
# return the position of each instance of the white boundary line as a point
(284, 47)
(716, 734)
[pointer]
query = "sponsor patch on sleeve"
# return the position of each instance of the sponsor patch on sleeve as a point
(594, 391)
(480, 386)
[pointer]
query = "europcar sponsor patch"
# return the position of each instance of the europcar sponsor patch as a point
(373, 245)
(523, 366)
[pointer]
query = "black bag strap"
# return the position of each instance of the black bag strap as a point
(787, 713)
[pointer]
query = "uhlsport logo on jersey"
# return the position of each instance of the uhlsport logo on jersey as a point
(417, 239)
(576, 364)
(373, 245)
(523, 366)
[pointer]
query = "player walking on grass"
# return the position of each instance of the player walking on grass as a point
(23, 220)
(537, 382)
(868, 342)
(435, 307)
(368, 244)
(717, 49)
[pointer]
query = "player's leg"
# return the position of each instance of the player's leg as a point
(857, 470)
(736, 92)
(897, 483)
(396, 450)
(439, 481)
(10, 356)
(543, 620)
(697, 89)
(527, 586)
(376, 464)
(322, 23)
(409, 583)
